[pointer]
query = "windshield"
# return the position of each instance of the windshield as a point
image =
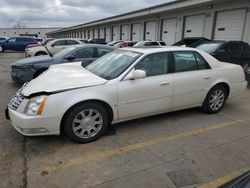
(64, 52)
(113, 64)
(209, 47)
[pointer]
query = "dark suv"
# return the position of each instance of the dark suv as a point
(236, 52)
(17, 43)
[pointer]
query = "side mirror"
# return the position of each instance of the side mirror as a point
(136, 74)
(222, 51)
(52, 45)
(70, 58)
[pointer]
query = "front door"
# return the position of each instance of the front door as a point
(149, 95)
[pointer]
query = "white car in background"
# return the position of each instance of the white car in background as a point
(53, 46)
(122, 85)
(142, 44)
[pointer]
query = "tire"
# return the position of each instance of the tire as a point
(40, 53)
(84, 118)
(39, 72)
(215, 100)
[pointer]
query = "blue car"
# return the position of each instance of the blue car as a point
(17, 43)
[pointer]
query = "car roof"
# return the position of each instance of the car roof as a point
(159, 49)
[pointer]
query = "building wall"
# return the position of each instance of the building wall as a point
(14, 32)
(209, 11)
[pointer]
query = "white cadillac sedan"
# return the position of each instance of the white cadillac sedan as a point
(122, 85)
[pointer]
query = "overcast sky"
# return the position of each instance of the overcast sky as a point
(63, 13)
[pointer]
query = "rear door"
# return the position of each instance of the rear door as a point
(192, 77)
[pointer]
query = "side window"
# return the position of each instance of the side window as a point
(59, 43)
(83, 53)
(151, 44)
(155, 64)
(235, 48)
(102, 51)
(20, 39)
(12, 40)
(162, 43)
(71, 42)
(201, 62)
(184, 61)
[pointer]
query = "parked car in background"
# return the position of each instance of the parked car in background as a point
(112, 43)
(124, 44)
(97, 41)
(3, 38)
(124, 84)
(142, 44)
(236, 52)
(191, 42)
(17, 43)
(39, 39)
(26, 69)
(53, 47)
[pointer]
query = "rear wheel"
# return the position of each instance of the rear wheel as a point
(40, 53)
(86, 122)
(215, 100)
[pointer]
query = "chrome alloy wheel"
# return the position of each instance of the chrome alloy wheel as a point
(216, 99)
(87, 123)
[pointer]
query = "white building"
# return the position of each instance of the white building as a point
(213, 19)
(35, 32)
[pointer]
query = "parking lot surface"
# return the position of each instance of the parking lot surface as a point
(181, 149)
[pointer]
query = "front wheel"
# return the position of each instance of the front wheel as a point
(215, 100)
(86, 122)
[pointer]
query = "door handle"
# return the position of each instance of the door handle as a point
(165, 84)
(207, 78)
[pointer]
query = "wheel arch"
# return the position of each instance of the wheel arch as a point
(224, 84)
(40, 52)
(98, 101)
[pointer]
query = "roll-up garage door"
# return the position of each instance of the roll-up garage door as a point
(125, 32)
(168, 31)
(116, 33)
(91, 34)
(108, 34)
(136, 32)
(194, 26)
(96, 33)
(230, 25)
(101, 34)
(150, 31)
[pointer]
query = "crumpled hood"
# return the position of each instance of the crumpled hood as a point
(62, 77)
(33, 60)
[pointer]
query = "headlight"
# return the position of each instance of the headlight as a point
(35, 105)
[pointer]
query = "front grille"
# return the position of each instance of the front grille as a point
(15, 101)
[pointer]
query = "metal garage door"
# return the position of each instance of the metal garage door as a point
(168, 31)
(230, 25)
(101, 34)
(136, 32)
(125, 32)
(96, 33)
(116, 33)
(194, 26)
(108, 34)
(91, 34)
(150, 31)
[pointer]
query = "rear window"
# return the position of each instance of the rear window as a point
(151, 44)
